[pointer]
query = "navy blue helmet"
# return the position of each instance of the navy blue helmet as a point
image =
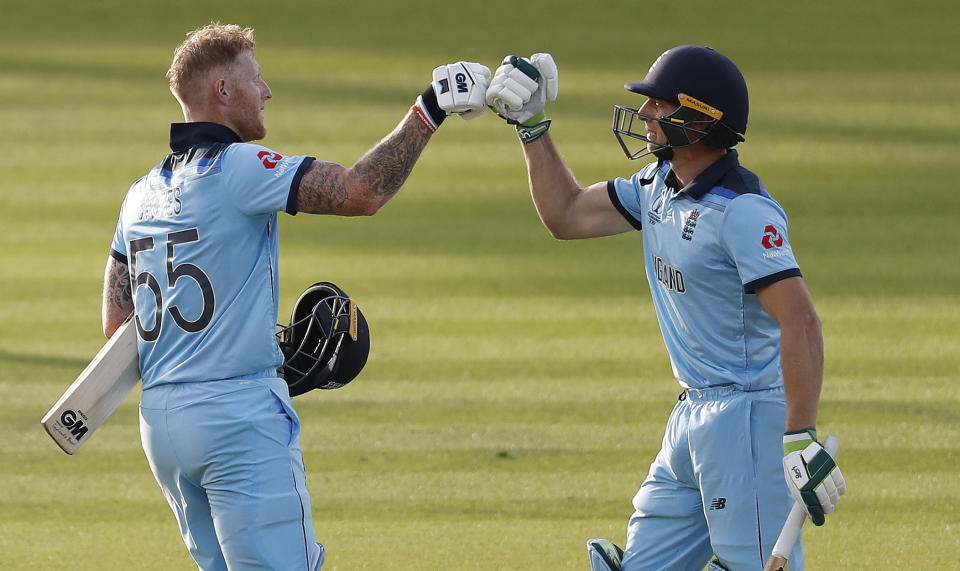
(705, 83)
(326, 343)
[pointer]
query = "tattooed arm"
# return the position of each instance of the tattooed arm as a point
(328, 188)
(117, 299)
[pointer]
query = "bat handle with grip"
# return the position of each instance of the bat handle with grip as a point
(793, 525)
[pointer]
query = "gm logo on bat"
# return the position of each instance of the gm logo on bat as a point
(71, 421)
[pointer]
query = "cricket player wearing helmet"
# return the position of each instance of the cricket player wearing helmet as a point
(194, 257)
(740, 328)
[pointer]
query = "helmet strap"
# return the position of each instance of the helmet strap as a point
(662, 155)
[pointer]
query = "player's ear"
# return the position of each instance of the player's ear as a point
(221, 90)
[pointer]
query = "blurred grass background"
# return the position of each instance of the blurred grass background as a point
(517, 386)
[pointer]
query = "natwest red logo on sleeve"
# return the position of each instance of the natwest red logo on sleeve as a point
(771, 237)
(269, 159)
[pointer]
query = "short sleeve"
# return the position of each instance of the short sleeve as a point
(629, 196)
(754, 233)
(118, 247)
(262, 180)
(626, 200)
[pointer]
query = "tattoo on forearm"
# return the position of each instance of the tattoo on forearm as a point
(387, 166)
(326, 187)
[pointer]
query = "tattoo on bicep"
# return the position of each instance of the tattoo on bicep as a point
(119, 292)
(323, 189)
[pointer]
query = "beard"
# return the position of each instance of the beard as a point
(256, 132)
(246, 118)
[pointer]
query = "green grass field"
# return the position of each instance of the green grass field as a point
(518, 385)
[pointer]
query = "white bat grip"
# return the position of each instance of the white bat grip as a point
(791, 528)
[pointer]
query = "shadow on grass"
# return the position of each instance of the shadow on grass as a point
(885, 413)
(10, 358)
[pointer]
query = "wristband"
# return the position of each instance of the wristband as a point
(428, 110)
(796, 440)
(533, 128)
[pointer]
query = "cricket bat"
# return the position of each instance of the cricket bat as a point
(97, 392)
(791, 528)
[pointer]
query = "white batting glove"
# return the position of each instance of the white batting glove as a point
(457, 88)
(461, 87)
(812, 474)
(521, 88)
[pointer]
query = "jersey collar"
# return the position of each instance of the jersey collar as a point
(184, 136)
(710, 176)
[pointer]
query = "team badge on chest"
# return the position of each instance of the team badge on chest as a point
(690, 224)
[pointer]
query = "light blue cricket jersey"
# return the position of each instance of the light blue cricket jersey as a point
(707, 248)
(199, 234)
